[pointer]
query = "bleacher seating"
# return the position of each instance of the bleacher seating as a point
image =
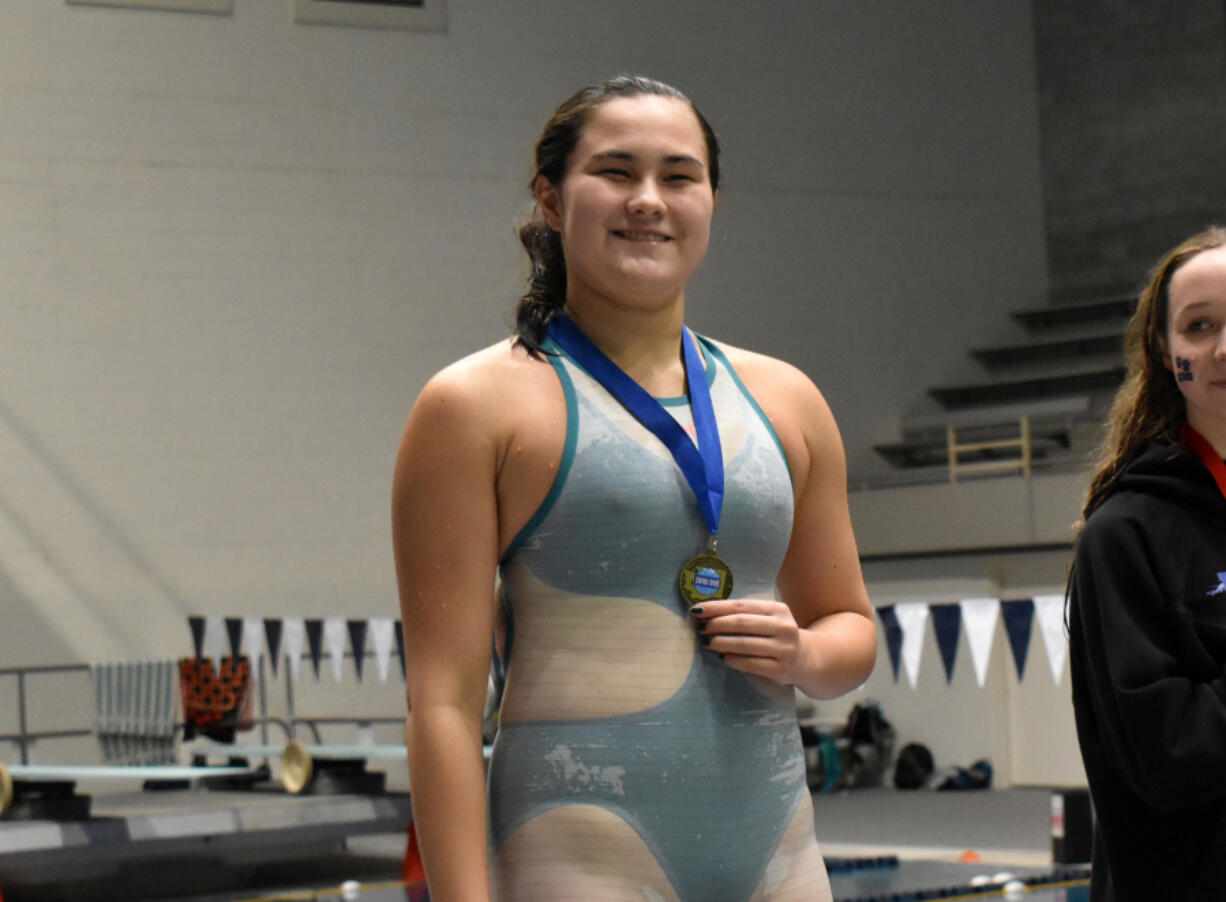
(1039, 400)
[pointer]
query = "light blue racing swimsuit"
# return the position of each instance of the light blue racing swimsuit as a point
(710, 777)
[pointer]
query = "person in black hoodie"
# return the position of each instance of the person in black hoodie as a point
(1147, 597)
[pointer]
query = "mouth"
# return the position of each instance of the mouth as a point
(647, 237)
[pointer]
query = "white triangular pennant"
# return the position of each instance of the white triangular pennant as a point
(215, 641)
(334, 642)
(912, 618)
(293, 637)
(252, 643)
(382, 639)
(1049, 611)
(979, 616)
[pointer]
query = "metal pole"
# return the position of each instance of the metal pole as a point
(21, 716)
(263, 706)
(289, 699)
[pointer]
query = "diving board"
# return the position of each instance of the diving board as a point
(53, 785)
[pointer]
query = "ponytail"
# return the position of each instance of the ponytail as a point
(546, 294)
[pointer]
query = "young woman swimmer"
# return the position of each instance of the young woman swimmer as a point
(1147, 597)
(667, 518)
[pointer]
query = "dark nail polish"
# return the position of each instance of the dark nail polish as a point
(705, 640)
(696, 611)
(701, 626)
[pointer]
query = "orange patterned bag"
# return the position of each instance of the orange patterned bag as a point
(215, 704)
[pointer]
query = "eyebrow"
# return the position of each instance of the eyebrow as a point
(1195, 305)
(683, 158)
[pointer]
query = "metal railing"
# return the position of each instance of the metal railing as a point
(1020, 444)
(25, 737)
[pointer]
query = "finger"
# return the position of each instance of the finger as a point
(737, 625)
(770, 625)
(748, 646)
(708, 609)
(767, 668)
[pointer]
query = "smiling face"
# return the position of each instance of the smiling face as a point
(634, 205)
(1195, 349)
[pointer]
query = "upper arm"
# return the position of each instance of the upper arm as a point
(445, 542)
(821, 571)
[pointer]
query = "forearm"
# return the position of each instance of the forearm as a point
(447, 778)
(836, 654)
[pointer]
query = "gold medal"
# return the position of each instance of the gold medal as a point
(705, 578)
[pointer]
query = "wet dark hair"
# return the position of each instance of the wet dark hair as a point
(546, 292)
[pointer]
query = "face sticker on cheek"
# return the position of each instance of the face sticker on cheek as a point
(1183, 369)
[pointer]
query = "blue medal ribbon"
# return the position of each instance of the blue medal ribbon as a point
(702, 466)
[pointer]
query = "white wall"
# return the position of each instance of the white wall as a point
(1003, 538)
(233, 248)
(978, 514)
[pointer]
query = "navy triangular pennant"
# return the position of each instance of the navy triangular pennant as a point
(197, 627)
(946, 623)
(272, 638)
(357, 641)
(893, 635)
(315, 641)
(1019, 619)
(234, 629)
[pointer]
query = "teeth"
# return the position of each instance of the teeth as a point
(643, 236)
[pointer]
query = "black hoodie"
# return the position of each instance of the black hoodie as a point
(1147, 635)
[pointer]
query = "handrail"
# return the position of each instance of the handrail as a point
(44, 668)
(313, 723)
(24, 737)
(1020, 463)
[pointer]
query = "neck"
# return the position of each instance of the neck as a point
(646, 344)
(1214, 432)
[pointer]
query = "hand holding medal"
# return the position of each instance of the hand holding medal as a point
(758, 636)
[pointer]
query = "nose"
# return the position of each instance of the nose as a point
(646, 199)
(1219, 349)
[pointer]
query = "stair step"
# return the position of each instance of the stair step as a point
(1047, 416)
(1042, 351)
(1058, 315)
(931, 452)
(1084, 294)
(925, 437)
(1033, 388)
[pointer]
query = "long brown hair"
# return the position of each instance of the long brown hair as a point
(1149, 406)
(546, 292)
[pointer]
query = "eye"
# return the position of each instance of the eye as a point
(614, 172)
(1198, 326)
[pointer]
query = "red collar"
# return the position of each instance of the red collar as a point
(1199, 445)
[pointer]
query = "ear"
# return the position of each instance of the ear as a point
(548, 198)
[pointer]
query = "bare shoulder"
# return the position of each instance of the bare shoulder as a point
(492, 421)
(489, 372)
(487, 386)
(776, 384)
(796, 410)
